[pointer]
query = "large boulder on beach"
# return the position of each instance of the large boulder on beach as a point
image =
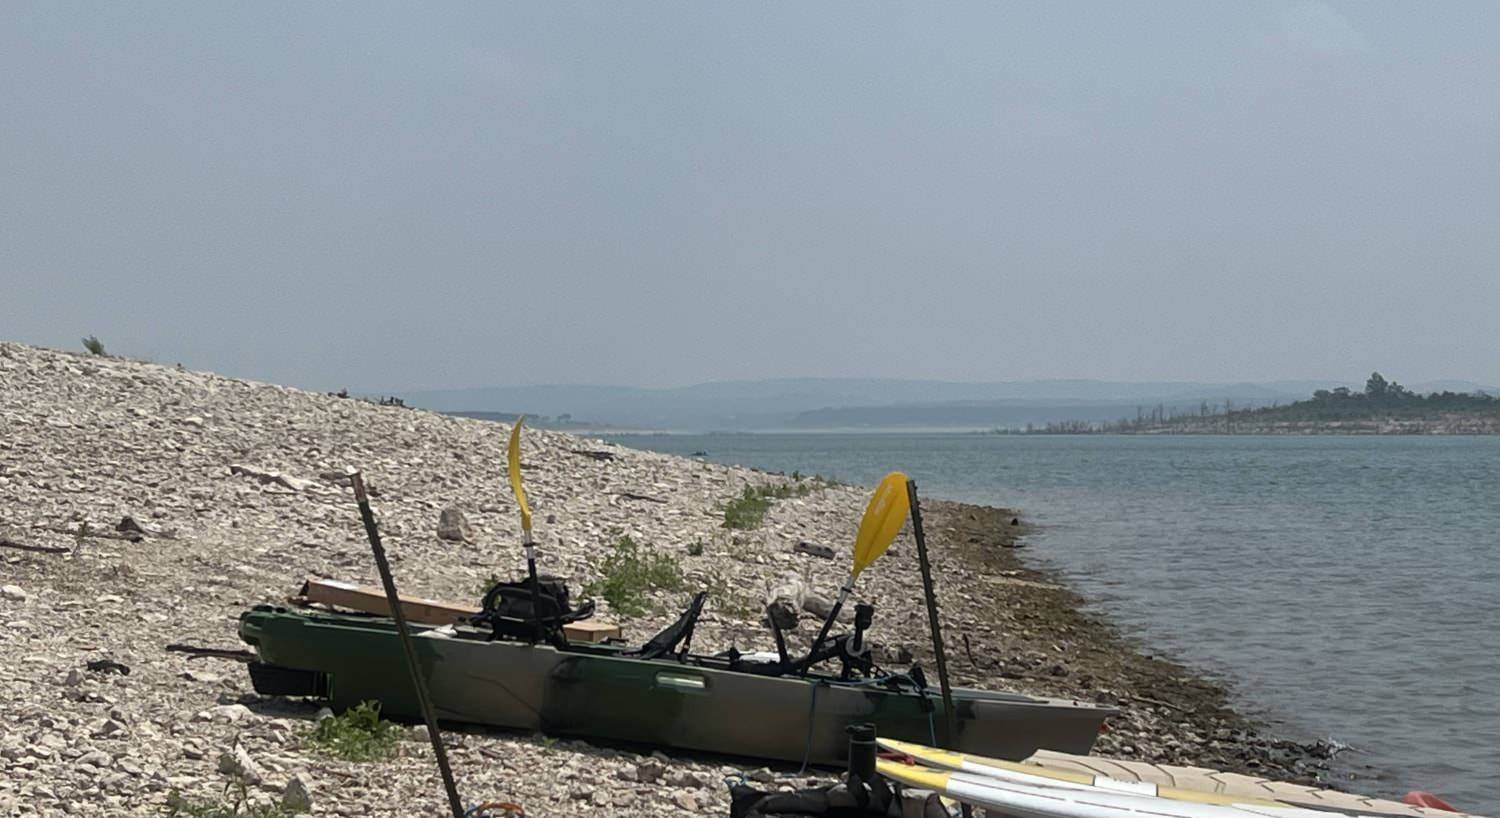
(454, 526)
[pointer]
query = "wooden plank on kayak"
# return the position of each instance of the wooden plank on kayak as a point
(370, 599)
(588, 631)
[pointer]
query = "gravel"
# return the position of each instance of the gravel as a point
(165, 501)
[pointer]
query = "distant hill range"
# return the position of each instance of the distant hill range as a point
(857, 404)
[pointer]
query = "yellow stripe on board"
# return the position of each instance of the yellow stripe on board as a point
(925, 754)
(924, 777)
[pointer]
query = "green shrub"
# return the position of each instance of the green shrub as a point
(357, 734)
(630, 572)
(748, 510)
(695, 548)
(93, 345)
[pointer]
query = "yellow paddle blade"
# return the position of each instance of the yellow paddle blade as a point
(882, 521)
(513, 456)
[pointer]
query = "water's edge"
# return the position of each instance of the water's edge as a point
(1044, 637)
(1322, 581)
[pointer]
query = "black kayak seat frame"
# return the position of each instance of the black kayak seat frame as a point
(506, 611)
(677, 637)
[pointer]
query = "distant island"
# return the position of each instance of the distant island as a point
(1385, 407)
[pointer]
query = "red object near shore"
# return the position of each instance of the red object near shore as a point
(1421, 798)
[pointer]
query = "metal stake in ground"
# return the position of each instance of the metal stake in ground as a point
(417, 680)
(950, 723)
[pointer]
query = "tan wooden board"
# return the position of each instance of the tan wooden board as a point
(590, 631)
(371, 599)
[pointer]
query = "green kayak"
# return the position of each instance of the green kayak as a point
(722, 704)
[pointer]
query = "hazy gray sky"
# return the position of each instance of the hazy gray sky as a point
(450, 195)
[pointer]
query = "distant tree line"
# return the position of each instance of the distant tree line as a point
(1384, 398)
(1381, 398)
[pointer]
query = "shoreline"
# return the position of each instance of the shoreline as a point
(1169, 714)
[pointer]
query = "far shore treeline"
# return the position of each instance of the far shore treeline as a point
(1384, 407)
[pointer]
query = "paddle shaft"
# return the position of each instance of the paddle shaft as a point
(950, 723)
(828, 624)
(536, 595)
(423, 699)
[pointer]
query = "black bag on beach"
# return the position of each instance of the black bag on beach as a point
(513, 599)
(507, 609)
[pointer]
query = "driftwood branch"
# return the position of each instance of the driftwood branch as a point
(268, 477)
(217, 653)
(85, 531)
(40, 549)
(630, 495)
(784, 601)
(597, 454)
(969, 651)
(790, 595)
(821, 606)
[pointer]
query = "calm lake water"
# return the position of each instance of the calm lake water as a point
(1346, 587)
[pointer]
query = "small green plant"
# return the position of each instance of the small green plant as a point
(695, 548)
(748, 510)
(235, 803)
(93, 345)
(630, 572)
(357, 734)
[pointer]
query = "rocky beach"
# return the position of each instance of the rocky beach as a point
(144, 505)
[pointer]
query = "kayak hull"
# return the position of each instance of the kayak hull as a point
(597, 692)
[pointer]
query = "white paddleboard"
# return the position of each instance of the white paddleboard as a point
(1059, 800)
(1040, 776)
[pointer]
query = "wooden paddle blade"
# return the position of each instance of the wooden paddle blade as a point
(513, 456)
(882, 521)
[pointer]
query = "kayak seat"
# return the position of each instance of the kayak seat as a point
(679, 633)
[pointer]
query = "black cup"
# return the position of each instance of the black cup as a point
(861, 751)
